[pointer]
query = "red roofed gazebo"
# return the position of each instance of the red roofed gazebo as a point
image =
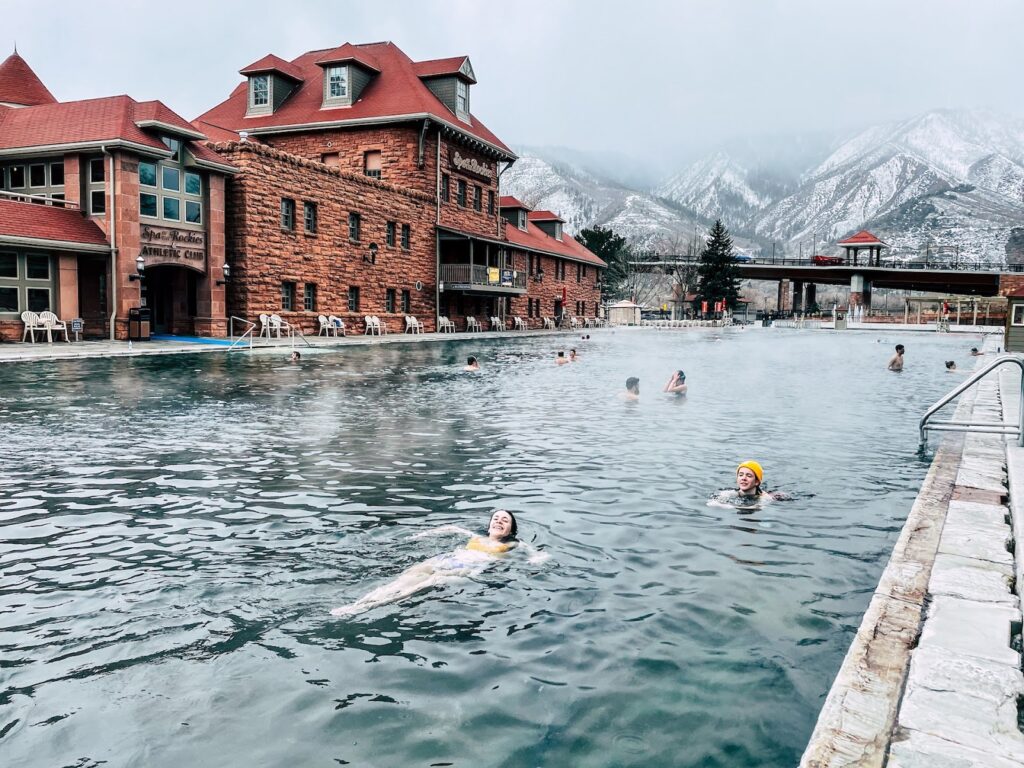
(860, 241)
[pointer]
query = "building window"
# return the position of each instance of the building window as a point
(260, 89)
(193, 212)
(389, 300)
(406, 302)
(446, 187)
(17, 177)
(461, 193)
(353, 298)
(170, 179)
(389, 235)
(98, 201)
(579, 273)
(147, 174)
(56, 174)
(337, 82)
(355, 222)
(97, 171)
(333, 159)
(406, 237)
(372, 164)
(287, 214)
(37, 175)
(522, 220)
(309, 297)
(193, 183)
(172, 209)
(1018, 315)
(33, 290)
(478, 198)
(309, 217)
(461, 97)
(287, 296)
(490, 202)
(174, 145)
(147, 205)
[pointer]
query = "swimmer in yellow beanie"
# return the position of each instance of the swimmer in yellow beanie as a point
(749, 476)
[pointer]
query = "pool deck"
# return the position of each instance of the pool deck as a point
(933, 675)
(61, 350)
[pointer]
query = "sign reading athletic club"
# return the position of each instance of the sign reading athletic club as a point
(180, 247)
(469, 165)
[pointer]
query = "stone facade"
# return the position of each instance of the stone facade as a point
(264, 255)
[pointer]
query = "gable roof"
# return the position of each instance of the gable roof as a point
(396, 94)
(862, 238)
(20, 85)
(442, 67)
(537, 240)
(113, 120)
(348, 52)
(544, 216)
(28, 221)
(272, 63)
(507, 201)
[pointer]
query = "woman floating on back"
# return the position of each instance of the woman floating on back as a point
(465, 561)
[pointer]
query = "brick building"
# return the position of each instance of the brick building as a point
(92, 190)
(368, 187)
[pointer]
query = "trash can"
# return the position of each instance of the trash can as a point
(139, 324)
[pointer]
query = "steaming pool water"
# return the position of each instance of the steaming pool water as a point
(174, 532)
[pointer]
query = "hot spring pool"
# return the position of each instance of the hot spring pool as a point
(174, 532)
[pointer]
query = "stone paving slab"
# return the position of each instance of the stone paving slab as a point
(981, 630)
(971, 512)
(938, 670)
(913, 749)
(979, 540)
(970, 579)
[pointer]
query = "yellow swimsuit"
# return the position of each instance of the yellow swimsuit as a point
(490, 546)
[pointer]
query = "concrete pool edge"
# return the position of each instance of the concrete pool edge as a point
(930, 675)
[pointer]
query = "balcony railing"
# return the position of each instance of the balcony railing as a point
(20, 197)
(477, 275)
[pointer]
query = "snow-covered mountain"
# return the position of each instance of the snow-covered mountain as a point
(944, 180)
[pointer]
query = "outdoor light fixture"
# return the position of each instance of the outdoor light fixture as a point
(371, 257)
(227, 274)
(539, 276)
(140, 269)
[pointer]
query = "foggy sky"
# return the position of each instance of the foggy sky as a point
(664, 79)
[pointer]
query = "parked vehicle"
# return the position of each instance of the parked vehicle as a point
(827, 261)
(743, 258)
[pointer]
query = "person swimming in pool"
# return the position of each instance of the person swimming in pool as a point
(472, 364)
(468, 560)
(676, 384)
(748, 492)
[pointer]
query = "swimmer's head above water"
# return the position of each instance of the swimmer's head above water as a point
(749, 476)
(503, 526)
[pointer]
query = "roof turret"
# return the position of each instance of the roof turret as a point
(20, 86)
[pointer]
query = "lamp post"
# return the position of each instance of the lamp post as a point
(140, 269)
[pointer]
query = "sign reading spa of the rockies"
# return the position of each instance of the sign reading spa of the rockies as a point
(469, 165)
(179, 247)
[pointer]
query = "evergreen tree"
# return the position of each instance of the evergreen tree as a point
(612, 248)
(718, 276)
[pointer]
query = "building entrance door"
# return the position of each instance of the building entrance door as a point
(170, 294)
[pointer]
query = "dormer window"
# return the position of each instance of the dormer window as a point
(522, 219)
(461, 98)
(558, 230)
(259, 91)
(337, 82)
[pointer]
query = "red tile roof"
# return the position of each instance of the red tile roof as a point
(272, 63)
(44, 222)
(439, 67)
(20, 85)
(349, 52)
(96, 121)
(396, 94)
(861, 238)
(507, 201)
(535, 239)
(544, 216)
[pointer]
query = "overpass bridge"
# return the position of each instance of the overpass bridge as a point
(804, 275)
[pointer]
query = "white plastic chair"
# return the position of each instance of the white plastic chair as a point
(338, 324)
(472, 324)
(371, 327)
(264, 326)
(277, 324)
(32, 324)
(444, 325)
(412, 325)
(549, 323)
(50, 323)
(518, 324)
(382, 325)
(326, 327)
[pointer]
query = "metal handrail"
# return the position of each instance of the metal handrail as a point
(240, 339)
(991, 427)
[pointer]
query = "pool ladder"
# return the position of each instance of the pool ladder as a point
(992, 427)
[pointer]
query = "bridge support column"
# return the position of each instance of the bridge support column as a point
(798, 296)
(810, 296)
(780, 300)
(860, 292)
